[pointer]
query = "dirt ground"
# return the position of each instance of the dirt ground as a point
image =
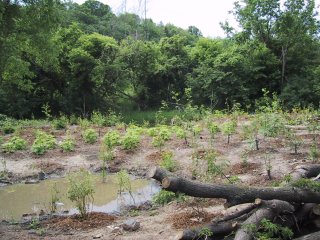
(160, 222)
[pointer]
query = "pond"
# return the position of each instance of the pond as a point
(18, 199)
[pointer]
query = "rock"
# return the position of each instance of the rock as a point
(131, 225)
(32, 231)
(32, 181)
(115, 229)
(97, 236)
(41, 175)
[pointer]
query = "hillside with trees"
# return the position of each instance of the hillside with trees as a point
(80, 58)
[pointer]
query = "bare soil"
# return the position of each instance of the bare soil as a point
(161, 222)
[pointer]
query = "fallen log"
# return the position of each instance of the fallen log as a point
(305, 171)
(217, 229)
(311, 236)
(238, 194)
(238, 211)
(269, 210)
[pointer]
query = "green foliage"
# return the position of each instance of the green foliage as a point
(314, 152)
(90, 136)
(60, 123)
(81, 191)
(167, 161)
(42, 143)
(68, 145)
(233, 179)
(205, 233)
(111, 139)
(8, 127)
(113, 119)
(55, 197)
(14, 144)
(124, 181)
(161, 134)
(268, 230)
(98, 119)
(130, 140)
(229, 128)
(164, 197)
(307, 184)
(84, 123)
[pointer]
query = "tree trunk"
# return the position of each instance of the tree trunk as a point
(312, 236)
(238, 194)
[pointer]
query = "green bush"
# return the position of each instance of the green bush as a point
(14, 144)
(111, 138)
(81, 191)
(68, 145)
(98, 119)
(42, 143)
(8, 128)
(60, 123)
(130, 141)
(112, 119)
(90, 136)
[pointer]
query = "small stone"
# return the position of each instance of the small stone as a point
(131, 225)
(32, 232)
(97, 236)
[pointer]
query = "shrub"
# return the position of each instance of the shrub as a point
(111, 138)
(42, 143)
(130, 141)
(112, 119)
(8, 128)
(98, 119)
(14, 144)
(68, 144)
(90, 136)
(229, 128)
(81, 191)
(60, 123)
(84, 123)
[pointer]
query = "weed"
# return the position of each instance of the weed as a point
(81, 190)
(234, 179)
(90, 136)
(205, 233)
(124, 182)
(167, 161)
(164, 197)
(305, 183)
(55, 197)
(84, 123)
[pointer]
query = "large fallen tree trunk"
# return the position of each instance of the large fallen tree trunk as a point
(233, 194)
(312, 236)
(275, 204)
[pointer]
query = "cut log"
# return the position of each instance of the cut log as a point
(238, 211)
(269, 210)
(305, 171)
(217, 229)
(312, 236)
(158, 174)
(238, 194)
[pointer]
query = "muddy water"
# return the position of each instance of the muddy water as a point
(18, 199)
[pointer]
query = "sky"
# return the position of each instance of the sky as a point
(204, 14)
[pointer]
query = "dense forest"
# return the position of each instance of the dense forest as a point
(80, 58)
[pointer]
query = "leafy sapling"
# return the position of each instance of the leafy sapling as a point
(229, 128)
